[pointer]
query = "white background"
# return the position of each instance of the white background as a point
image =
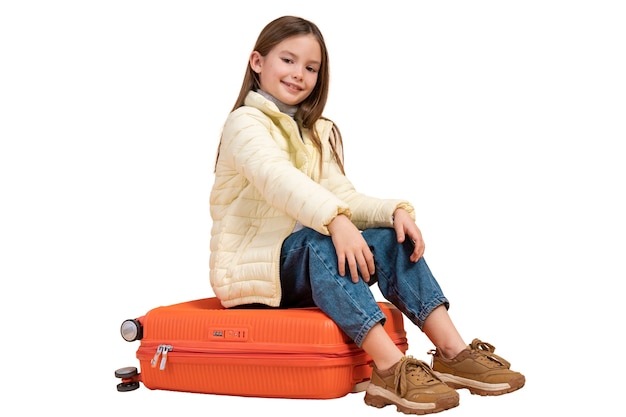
(503, 122)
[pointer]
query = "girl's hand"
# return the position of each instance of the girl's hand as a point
(406, 228)
(351, 249)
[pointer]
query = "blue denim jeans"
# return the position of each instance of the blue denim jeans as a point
(309, 277)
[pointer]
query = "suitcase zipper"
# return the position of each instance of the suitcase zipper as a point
(162, 351)
(185, 350)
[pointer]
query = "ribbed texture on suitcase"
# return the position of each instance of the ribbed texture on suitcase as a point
(295, 353)
(275, 380)
(195, 320)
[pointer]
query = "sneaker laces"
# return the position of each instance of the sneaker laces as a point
(414, 367)
(484, 352)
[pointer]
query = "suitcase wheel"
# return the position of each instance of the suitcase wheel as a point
(127, 386)
(131, 330)
(130, 379)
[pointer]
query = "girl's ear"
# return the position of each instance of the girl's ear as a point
(256, 61)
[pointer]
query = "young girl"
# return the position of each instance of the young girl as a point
(289, 230)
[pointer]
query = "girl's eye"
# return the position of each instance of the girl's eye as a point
(287, 60)
(311, 69)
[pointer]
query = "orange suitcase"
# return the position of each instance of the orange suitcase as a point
(199, 346)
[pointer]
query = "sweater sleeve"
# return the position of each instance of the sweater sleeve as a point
(367, 211)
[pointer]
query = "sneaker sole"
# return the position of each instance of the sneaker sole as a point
(378, 397)
(481, 388)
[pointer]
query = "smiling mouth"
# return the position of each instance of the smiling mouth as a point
(293, 86)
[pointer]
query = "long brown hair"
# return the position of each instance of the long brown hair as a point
(311, 109)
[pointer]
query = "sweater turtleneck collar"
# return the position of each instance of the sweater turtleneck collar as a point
(284, 108)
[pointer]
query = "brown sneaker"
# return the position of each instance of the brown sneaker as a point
(412, 387)
(478, 369)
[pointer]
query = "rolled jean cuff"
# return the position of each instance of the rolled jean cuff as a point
(428, 308)
(378, 317)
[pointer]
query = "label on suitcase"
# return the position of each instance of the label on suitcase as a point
(199, 346)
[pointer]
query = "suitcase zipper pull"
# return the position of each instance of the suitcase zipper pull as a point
(154, 360)
(161, 351)
(166, 348)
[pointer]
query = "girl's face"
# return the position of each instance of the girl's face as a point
(289, 71)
